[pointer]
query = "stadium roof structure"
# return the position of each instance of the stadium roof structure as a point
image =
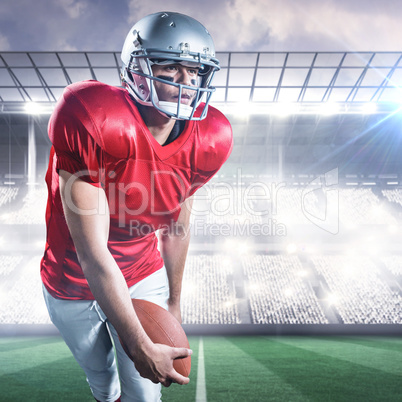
(262, 79)
(290, 111)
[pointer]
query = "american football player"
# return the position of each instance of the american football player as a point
(124, 165)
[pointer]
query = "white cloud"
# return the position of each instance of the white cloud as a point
(292, 24)
(4, 43)
(73, 8)
(329, 25)
(235, 25)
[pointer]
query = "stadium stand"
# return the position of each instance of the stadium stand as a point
(393, 196)
(277, 288)
(8, 264)
(394, 264)
(32, 209)
(278, 293)
(7, 194)
(361, 206)
(289, 204)
(22, 301)
(358, 290)
(208, 294)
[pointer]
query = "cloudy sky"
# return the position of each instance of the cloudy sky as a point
(236, 25)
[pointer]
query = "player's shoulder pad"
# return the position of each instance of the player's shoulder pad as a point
(102, 108)
(216, 140)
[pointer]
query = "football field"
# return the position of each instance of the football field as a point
(230, 368)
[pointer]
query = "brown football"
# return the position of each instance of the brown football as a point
(162, 327)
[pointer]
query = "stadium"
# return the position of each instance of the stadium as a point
(295, 244)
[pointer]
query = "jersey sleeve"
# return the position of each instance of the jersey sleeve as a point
(214, 148)
(74, 145)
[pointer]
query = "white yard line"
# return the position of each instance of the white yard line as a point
(201, 392)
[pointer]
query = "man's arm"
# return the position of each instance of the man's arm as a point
(174, 246)
(86, 210)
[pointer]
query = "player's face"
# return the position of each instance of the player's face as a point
(178, 74)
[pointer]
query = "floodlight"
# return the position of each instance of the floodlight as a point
(332, 298)
(254, 287)
(228, 304)
(284, 108)
(33, 108)
(236, 246)
(243, 248)
(369, 108)
(291, 248)
(393, 229)
(329, 108)
(302, 273)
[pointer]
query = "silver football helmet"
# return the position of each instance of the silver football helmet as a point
(169, 38)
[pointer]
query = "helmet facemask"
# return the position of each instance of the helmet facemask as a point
(139, 79)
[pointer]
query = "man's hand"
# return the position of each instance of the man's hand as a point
(156, 363)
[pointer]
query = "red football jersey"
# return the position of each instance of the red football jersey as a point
(98, 134)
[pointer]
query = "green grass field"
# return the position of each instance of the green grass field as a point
(237, 368)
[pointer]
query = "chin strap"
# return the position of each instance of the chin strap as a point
(170, 107)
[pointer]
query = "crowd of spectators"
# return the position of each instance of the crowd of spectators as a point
(7, 194)
(278, 291)
(393, 195)
(32, 210)
(358, 291)
(278, 288)
(394, 264)
(208, 295)
(8, 265)
(360, 206)
(22, 301)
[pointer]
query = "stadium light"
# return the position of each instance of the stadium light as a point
(244, 248)
(236, 246)
(329, 108)
(39, 244)
(332, 298)
(4, 218)
(228, 304)
(393, 229)
(302, 273)
(244, 109)
(369, 108)
(33, 108)
(190, 288)
(377, 211)
(254, 287)
(284, 108)
(291, 248)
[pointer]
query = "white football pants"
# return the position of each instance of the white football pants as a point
(87, 332)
